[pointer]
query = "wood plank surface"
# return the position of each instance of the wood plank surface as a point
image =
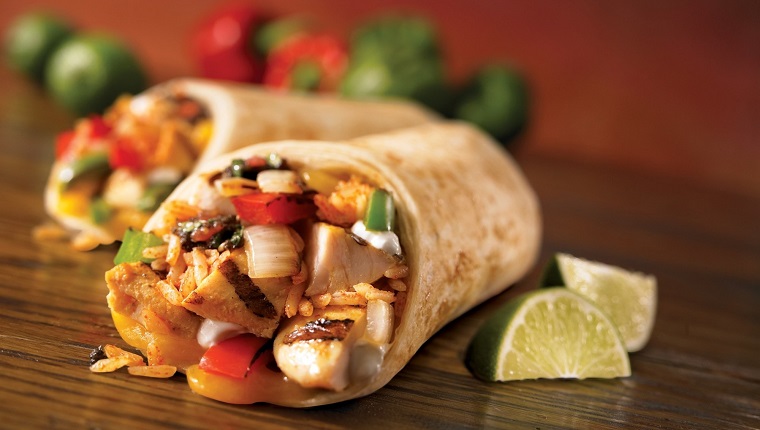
(700, 370)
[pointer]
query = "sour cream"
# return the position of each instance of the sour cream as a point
(386, 241)
(212, 332)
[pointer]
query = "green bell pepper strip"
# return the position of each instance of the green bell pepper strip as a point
(153, 196)
(381, 212)
(94, 164)
(100, 211)
(133, 244)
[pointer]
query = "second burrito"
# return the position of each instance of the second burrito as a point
(112, 171)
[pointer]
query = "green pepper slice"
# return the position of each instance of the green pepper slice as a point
(94, 164)
(381, 213)
(153, 196)
(100, 211)
(133, 244)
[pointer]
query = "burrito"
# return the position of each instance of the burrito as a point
(304, 273)
(112, 171)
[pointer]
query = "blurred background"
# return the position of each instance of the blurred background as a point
(671, 88)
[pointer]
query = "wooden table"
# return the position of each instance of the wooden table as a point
(700, 370)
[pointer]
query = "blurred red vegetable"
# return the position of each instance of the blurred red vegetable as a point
(123, 153)
(63, 143)
(307, 62)
(91, 129)
(223, 44)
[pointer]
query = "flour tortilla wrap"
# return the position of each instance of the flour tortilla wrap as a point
(468, 221)
(243, 115)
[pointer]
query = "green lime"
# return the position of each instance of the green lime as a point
(31, 39)
(549, 333)
(88, 72)
(629, 298)
(496, 100)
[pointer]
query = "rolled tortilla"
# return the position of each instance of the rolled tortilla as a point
(243, 115)
(468, 221)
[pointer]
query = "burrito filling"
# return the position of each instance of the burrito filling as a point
(274, 281)
(117, 168)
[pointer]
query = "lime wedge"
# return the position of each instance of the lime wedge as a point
(629, 298)
(549, 333)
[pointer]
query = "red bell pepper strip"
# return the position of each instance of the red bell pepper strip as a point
(234, 357)
(273, 208)
(94, 127)
(122, 153)
(307, 62)
(63, 143)
(98, 127)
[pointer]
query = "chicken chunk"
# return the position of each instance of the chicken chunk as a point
(229, 295)
(338, 260)
(316, 351)
(133, 292)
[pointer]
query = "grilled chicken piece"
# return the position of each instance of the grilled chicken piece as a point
(315, 351)
(132, 293)
(229, 295)
(338, 261)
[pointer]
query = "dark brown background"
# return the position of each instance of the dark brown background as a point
(644, 153)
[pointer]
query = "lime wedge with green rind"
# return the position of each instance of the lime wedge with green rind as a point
(550, 333)
(629, 298)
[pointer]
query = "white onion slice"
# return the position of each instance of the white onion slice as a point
(271, 251)
(164, 175)
(230, 187)
(123, 188)
(279, 181)
(212, 332)
(379, 321)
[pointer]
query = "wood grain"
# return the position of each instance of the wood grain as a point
(700, 370)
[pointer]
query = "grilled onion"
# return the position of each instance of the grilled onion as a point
(230, 187)
(271, 251)
(279, 181)
(379, 321)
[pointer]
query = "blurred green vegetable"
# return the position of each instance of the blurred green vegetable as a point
(88, 72)
(153, 196)
(496, 100)
(274, 32)
(406, 37)
(31, 39)
(397, 56)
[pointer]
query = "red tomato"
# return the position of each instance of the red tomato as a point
(222, 44)
(327, 54)
(273, 208)
(122, 153)
(233, 357)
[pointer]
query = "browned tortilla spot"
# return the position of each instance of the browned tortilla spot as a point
(321, 329)
(248, 292)
(194, 299)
